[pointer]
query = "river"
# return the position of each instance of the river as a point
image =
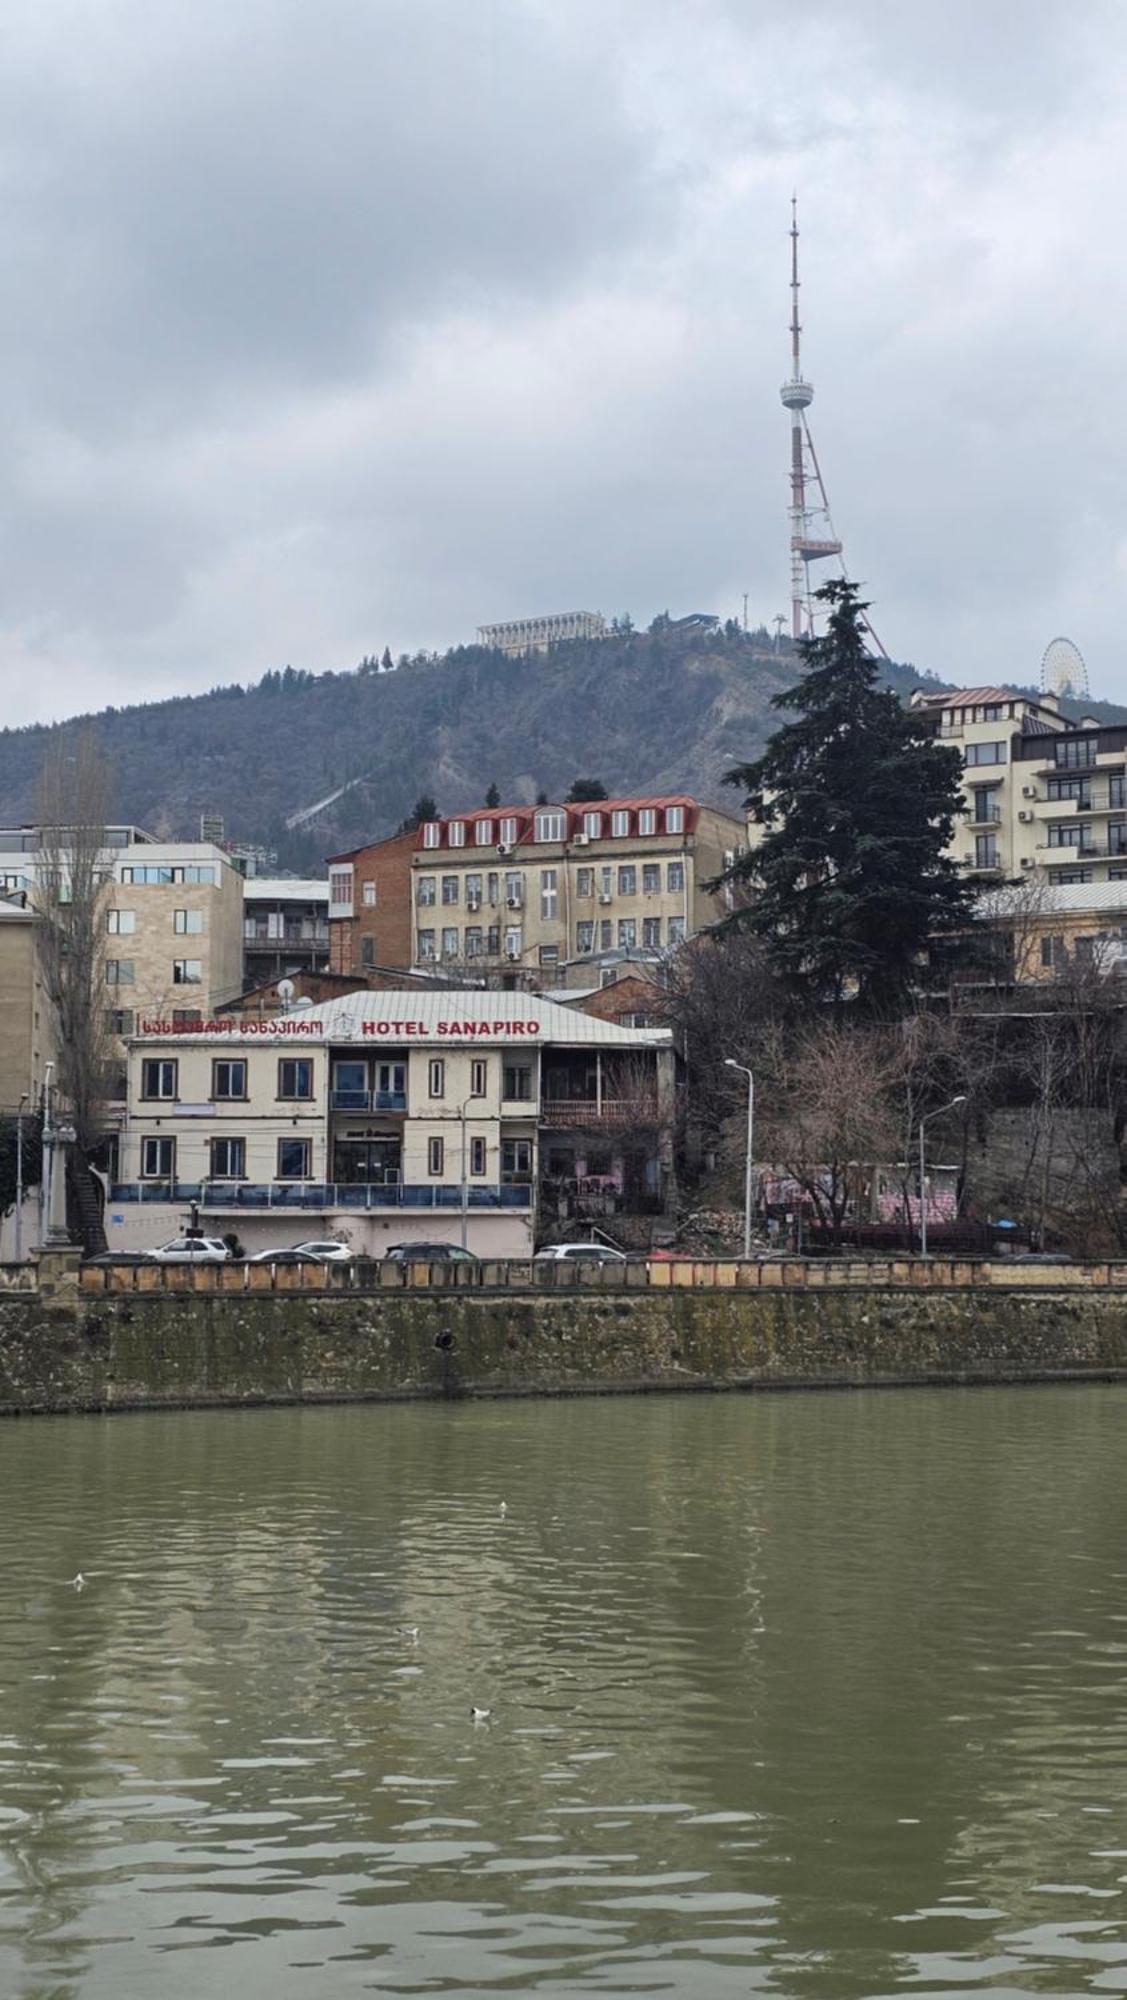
(816, 1694)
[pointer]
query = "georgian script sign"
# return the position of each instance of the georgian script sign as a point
(297, 1026)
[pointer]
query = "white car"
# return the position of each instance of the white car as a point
(190, 1250)
(579, 1253)
(326, 1250)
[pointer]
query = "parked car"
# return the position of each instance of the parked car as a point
(579, 1253)
(326, 1249)
(429, 1253)
(190, 1250)
(285, 1255)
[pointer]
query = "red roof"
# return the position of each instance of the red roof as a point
(574, 821)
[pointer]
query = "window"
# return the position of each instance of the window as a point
(518, 1082)
(187, 1017)
(651, 878)
(985, 850)
(1068, 836)
(340, 887)
(158, 1078)
(606, 934)
(121, 923)
(483, 833)
(620, 824)
(391, 1081)
(675, 877)
(475, 941)
(228, 1078)
(1052, 952)
(584, 938)
(477, 1156)
(432, 833)
(295, 1077)
(450, 942)
(119, 1020)
(628, 881)
(584, 881)
(606, 884)
(514, 889)
(550, 825)
(436, 1150)
(516, 1160)
(188, 923)
(593, 825)
(368, 951)
(369, 893)
(513, 941)
(151, 875)
(450, 889)
(437, 1077)
(549, 893)
(119, 972)
(456, 833)
(1116, 789)
(426, 889)
(991, 712)
(985, 753)
(158, 1159)
(674, 819)
(295, 1161)
(228, 1160)
(1075, 756)
(1117, 836)
(473, 891)
(508, 833)
(627, 933)
(549, 955)
(187, 971)
(425, 945)
(479, 1071)
(1073, 877)
(651, 933)
(647, 820)
(676, 931)
(493, 889)
(1079, 789)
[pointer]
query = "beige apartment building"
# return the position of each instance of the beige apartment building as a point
(530, 890)
(173, 947)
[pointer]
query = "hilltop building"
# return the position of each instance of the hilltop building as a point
(537, 635)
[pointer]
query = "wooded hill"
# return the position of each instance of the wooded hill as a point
(670, 709)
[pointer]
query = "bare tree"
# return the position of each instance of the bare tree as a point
(73, 895)
(830, 1114)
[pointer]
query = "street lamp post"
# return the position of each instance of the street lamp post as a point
(465, 1185)
(731, 1063)
(924, 1123)
(19, 1178)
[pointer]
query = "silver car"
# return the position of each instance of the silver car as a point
(190, 1250)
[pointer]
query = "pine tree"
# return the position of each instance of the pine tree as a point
(387, 665)
(585, 790)
(493, 796)
(858, 803)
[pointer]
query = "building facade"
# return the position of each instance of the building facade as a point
(394, 1116)
(285, 928)
(369, 907)
(528, 890)
(537, 635)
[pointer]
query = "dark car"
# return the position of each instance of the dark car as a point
(429, 1253)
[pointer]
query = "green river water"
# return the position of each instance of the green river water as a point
(816, 1694)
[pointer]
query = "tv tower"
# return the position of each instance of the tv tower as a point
(812, 534)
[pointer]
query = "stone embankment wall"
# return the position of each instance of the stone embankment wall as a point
(151, 1349)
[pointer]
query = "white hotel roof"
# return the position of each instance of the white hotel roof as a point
(457, 1017)
(284, 889)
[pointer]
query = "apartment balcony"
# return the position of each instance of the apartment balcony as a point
(301, 1196)
(1094, 850)
(368, 1100)
(607, 1113)
(984, 816)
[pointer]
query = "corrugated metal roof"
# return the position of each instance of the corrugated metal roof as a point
(973, 698)
(283, 889)
(1055, 899)
(396, 1015)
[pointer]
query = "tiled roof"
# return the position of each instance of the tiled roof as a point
(972, 698)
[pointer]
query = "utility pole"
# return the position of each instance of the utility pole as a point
(19, 1178)
(749, 1170)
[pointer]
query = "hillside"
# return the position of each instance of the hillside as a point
(667, 709)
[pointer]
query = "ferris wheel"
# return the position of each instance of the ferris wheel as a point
(1063, 670)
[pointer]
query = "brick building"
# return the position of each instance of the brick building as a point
(370, 906)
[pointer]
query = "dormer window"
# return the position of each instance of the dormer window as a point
(593, 825)
(508, 833)
(549, 825)
(674, 819)
(647, 820)
(432, 833)
(484, 833)
(620, 824)
(456, 833)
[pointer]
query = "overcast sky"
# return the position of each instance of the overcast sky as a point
(330, 327)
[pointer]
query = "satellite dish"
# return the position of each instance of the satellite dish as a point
(286, 990)
(1063, 670)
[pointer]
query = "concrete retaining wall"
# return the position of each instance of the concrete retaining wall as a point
(150, 1349)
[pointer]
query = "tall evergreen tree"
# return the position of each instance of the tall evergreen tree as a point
(857, 802)
(584, 790)
(493, 796)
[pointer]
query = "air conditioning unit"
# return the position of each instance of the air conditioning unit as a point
(1025, 816)
(504, 847)
(1027, 861)
(581, 840)
(473, 902)
(1029, 791)
(514, 899)
(513, 957)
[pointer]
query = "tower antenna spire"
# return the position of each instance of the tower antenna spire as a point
(813, 537)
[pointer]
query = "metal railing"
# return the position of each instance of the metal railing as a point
(368, 1100)
(322, 1195)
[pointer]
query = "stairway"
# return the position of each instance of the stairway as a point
(84, 1208)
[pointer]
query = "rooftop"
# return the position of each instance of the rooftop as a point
(393, 1016)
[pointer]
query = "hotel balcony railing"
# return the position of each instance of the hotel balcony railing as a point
(984, 816)
(322, 1195)
(1092, 850)
(583, 1111)
(369, 1100)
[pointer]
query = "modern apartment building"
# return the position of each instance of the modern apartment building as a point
(394, 1115)
(173, 946)
(370, 906)
(527, 889)
(285, 928)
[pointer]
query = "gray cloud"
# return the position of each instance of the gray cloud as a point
(328, 328)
